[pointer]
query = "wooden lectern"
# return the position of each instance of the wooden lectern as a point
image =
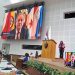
(49, 51)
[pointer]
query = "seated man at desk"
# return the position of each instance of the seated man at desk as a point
(0, 56)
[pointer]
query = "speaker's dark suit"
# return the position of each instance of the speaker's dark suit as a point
(23, 35)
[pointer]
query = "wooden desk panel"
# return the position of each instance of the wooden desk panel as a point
(19, 63)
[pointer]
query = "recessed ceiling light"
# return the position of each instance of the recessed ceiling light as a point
(15, 1)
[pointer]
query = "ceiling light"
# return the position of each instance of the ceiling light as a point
(15, 1)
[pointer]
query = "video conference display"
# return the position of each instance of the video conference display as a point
(70, 56)
(25, 23)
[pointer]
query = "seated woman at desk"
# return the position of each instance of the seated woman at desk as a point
(26, 58)
(0, 56)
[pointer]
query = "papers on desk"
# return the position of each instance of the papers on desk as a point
(3, 60)
(8, 70)
(6, 67)
(5, 64)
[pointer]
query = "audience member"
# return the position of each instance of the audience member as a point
(26, 57)
(0, 56)
(36, 54)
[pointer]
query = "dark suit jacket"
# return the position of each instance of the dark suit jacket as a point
(23, 35)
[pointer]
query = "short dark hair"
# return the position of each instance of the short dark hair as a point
(26, 54)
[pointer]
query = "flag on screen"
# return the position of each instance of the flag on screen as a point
(39, 24)
(6, 26)
(13, 17)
